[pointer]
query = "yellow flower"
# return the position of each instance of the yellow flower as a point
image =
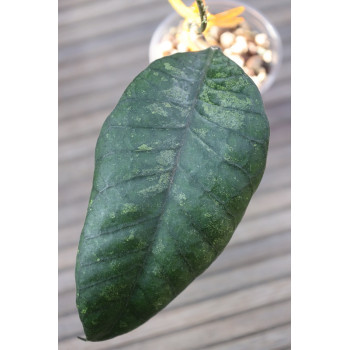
(223, 19)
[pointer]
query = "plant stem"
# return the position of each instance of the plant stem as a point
(203, 13)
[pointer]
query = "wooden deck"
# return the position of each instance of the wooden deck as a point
(242, 302)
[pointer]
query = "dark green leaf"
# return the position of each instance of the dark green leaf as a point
(177, 162)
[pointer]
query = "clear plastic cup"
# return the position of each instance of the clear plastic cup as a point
(254, 18)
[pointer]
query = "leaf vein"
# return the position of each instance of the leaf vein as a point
(211, 195)
(204, 117)
(147, 127)
(112, 257)
(154, 150)
(172, 76)
(142, 176)
(229, 91)
(107, 279)
(233, 108)
(124, 226)
(183, 258)
(198, 87)
(223, 159)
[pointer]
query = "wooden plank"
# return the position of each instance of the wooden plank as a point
(75, 128)
(76, 157)
(94, 51)
(277, 94)
(235, 326)
(110, 56)
(273, 339)
(268, 202)
(109, 80)
(79, 166)
(280, 133)
(118, 41)
(202, 312)
(107, 100)
(110, 23)
(76, 77)
(128, 18)
(94, 63)
(263, 203)
(266, 263)
(104, 95)
(79, 191)
(142, 64)
(73, 200)
(76, 149)
(275, 198)
(236, 254)
(262, 226)
(67, 4)
(92, 9)
(72, 173)
(71, 129)
(234, 279)
(278, 157)
(84, 10)
(105, 80)
(240, 255)
(279, 114)
(278, 178)
(69, 235)
(66, 281)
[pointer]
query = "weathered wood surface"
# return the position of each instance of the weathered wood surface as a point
(242, 302)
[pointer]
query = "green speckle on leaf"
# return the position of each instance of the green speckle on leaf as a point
(131, 237)
(144, 147)
(181, 198)
(165, 157)
(129, 208)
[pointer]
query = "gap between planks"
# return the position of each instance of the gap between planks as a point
(238, 267)
(201, 312)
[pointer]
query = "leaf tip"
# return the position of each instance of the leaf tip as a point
(81, 338)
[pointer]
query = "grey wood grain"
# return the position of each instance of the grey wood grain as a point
(241, 301)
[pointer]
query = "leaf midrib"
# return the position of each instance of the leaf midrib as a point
(190, 114)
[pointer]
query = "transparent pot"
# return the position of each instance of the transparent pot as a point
(256, 21)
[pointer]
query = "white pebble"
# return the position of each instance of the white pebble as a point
(240, 46)
(254, 62)
(262, 40)
(248, 71)
(239, 31)
(241, 39)
(262, 75)
(227, 39)
(260, 50)
(252, 48)
(267, 56)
